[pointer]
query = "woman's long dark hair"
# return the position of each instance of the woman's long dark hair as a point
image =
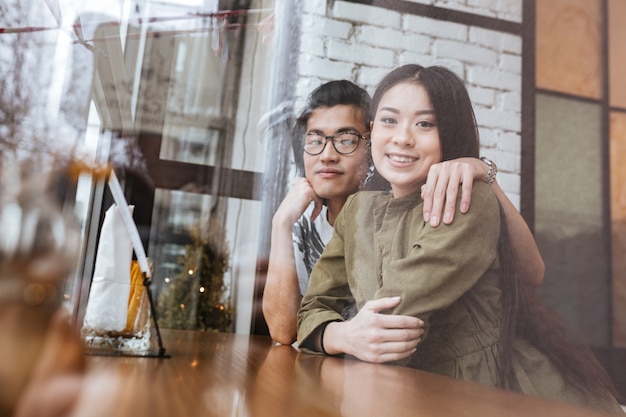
(524, 315)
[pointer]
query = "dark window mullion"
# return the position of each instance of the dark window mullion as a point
(527, 187)
(606, 144)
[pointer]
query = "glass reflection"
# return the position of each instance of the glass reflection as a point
(153, 89)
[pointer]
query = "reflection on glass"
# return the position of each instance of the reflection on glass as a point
(617, 53)
(569, 46)
(191, 256)
(617, 154)
(190, 144)
(196, 94)
(193, 122)
(569, 226)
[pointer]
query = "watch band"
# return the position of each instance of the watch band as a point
(491, 172)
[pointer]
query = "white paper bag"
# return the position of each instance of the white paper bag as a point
(107, 306)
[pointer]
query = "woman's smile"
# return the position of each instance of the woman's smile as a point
(401, 159)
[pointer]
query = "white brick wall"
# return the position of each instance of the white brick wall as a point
(368, 15)
(493, 78)
(466, 52)
(379, 36)
(326, 27)
(343, 40)
(358, 53)
(501, 42)
(314, 7)
(435, 28)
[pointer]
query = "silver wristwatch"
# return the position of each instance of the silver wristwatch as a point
(493, 170)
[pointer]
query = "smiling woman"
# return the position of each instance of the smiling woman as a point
(405, 138)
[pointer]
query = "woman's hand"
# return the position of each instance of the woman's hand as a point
(373, 336)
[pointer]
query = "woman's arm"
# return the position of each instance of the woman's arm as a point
(444, 264)
(441, 265)
(372, 335)
(440, 195)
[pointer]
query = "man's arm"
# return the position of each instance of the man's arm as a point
(526, 255)
(440, 195)
(281, 296)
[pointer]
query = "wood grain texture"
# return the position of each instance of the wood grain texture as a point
(219, 374)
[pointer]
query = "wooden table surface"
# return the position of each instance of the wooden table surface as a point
(219, 374)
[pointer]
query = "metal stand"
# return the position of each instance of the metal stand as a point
(146, 283)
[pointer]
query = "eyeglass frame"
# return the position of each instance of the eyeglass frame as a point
(360, 137)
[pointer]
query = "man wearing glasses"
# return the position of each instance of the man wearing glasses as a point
(332, 129)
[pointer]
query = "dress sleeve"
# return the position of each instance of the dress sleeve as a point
(328, 293)
(445, 262)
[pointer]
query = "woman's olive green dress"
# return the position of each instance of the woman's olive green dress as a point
(448, 276)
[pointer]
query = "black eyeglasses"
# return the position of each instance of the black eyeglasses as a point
(344, 142)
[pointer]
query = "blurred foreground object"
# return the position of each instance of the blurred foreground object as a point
(38, 248)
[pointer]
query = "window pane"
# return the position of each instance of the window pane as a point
(171, 94)
(568, 47)
(203, 250)
(190, 144)
(569, 208)
(618, 225)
